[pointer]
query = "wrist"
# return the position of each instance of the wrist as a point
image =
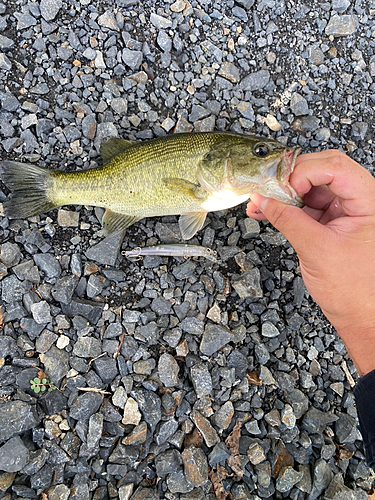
(360, 344)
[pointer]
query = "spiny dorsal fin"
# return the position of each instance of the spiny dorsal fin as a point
(112, 147)
(191, 223)
(114, 222)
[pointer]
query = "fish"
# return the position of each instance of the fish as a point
(188, 174)
(178, 250)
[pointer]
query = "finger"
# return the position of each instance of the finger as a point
(312, 156)
(344, 177)
(303, 232)
(319, 197)
(254, 212)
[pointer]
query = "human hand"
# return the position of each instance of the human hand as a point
(334, 237)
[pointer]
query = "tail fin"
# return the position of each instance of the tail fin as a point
(28, 184)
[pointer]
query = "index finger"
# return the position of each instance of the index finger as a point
(344, 177)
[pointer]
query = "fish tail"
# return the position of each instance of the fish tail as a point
(29, 184)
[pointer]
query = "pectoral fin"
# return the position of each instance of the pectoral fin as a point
(191, 223)
(188, 188)
(112, 147)
(114, 222)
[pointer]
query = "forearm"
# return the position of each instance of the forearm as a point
(360, 344)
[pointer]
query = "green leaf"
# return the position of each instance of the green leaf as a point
(43, 388)
(32, 382)
(36, 389)
(44, 381)
(37, 380)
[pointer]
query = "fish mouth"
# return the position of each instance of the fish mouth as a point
(284, 170)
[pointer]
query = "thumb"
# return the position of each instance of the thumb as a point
(302, 231)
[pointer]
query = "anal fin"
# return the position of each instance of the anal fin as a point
(114, 222)
(190, 223)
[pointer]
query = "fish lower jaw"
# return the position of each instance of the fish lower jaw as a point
(223, 200)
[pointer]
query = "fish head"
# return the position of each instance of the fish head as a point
(263, 166)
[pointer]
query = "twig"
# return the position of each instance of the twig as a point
(344, 366)
(93, 359)
(93, 389)
(116, 355)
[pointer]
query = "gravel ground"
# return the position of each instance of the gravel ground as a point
(178, 379)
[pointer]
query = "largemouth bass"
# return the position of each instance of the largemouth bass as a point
(182, 174)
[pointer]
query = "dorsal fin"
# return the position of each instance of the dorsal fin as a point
(112, 147)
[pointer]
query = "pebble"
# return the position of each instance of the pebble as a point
(201, 379)
(214, 338)
(287, 478)
(340, 25)
(195, 465)
(160, 22)
(168, 370)
(13, 455)
(50, 8)
(298, 105)
(255, 81)
(132, 414)
(256, 453)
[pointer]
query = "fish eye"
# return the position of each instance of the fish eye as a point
(260, 150)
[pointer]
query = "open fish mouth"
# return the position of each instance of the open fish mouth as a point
(284, 170)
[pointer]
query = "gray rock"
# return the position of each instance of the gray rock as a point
(132, 58)
(198, 112)
(56, 364)
(322, 478)
(298, 105)
(89, 310)
(315, 421)
(5, 63)
(160, 22)
(246, 4)
(41, 312)
(224, 415)
(64, 288)
(13, 455)
(299, 402)
(160, 305)
(269, 330)
(255, 81)
(164, 41)
(95, 430)
(106, 252)
(16, 417)
(218, 454)
(10, 254)
(5, 42)
(168, 370)
(85, 405)
(287, 478)
(247, 285)
(43, 478)
(106, 368)
(192, 325)
(149, 405)
(47, 263)
(166, 430)
(214, 338)
(177, 483)
(359, 130)
(340, 26)
(345, 428)
(12, 289)
(168, 462)
(87, 347)
(240, 13)
(50, 8)
(340, 6)
(306, 124)
(201, 379)
(246, 110)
